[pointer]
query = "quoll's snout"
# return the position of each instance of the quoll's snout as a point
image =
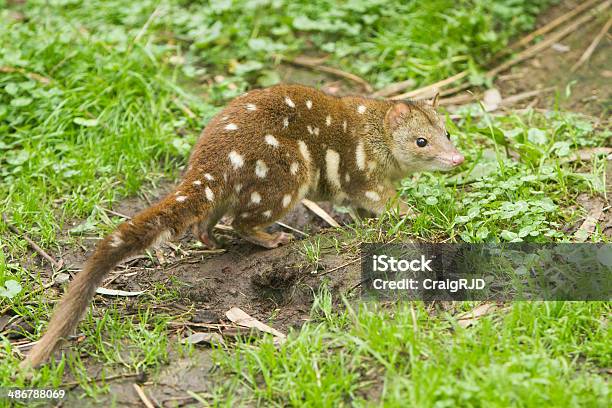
(457, 159)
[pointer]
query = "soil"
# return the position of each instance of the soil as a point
(276, 286)
(589, 86)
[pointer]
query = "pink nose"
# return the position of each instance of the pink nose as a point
(457, 159)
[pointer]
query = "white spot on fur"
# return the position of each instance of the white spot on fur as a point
(289, 102)
(181, 199)
(304, 150)
(251, 107)
(294, 168)
(163, 236)
(371, 166)
(209, 194)
(261, 169)
(224, 118)
(372, 195)
(332, 163)
(271, 140)
(197, 182)
(255, 197)
(244, 215)
(286, 200)
(328, 120)
(236, 159)
(208, 177)
(360, 157)
(231, 126)
(267, 214)
(316, 131)
(309, 104)
(309, 128)
(303, 190)
(344, 126)
(361, 109)
(285, 122)
(347, 178)
(237, 188)
(116, 239)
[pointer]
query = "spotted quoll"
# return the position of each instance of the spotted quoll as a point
(256, 159)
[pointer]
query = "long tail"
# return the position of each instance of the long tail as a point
(150, 227)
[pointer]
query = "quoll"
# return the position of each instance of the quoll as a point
(256, 159)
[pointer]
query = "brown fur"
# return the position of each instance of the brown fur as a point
(259, 157)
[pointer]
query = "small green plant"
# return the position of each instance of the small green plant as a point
(312, 253)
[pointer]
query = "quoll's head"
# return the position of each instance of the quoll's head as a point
(420, 139)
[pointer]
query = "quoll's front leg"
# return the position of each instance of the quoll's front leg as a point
(374, 200)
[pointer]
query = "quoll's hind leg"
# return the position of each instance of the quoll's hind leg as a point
(204, 229)
(258, 210)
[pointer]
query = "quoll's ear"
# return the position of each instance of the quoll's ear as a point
(435, 100)
(395, 114)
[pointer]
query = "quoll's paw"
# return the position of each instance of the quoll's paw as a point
(269, 241)
(283, 238)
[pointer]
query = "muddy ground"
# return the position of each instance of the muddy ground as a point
(276, 286)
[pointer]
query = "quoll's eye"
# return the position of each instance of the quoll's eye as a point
(421, 142)
(448, 135)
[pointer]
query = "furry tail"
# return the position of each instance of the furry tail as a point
(150, 227)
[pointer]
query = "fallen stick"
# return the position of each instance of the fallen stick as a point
(305, 62)
(315, 208)
(534, 49)
(457, 100)
(393, 88)
(524, 95)
(432, 87)
(289, 227)
(57, 265)
(143, 397)
(589, 51)
(31, 75)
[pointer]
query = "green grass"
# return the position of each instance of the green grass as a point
(533, 354)
(105, 98)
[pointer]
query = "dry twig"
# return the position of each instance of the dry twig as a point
(309, 63)
(315, 208)
(57, 265)
(31, 75)
(143, 397)
(432, 87)
(393, 88)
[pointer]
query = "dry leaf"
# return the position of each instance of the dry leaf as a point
(469, 318)
(241, 318)
(590, 222)
(206, 337)
(116, 292)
